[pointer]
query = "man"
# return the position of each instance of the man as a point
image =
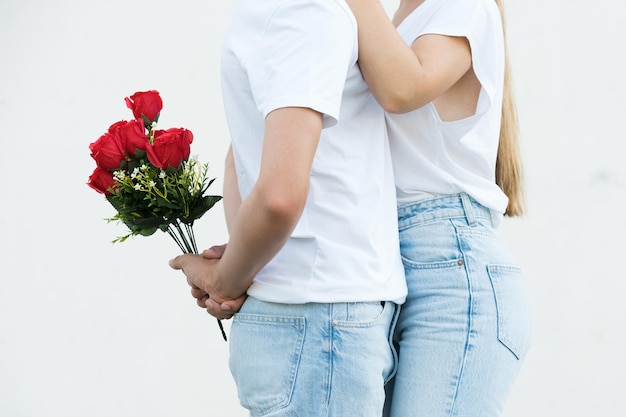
(313, 240)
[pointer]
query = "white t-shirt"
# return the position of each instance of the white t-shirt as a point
(303, 53)
(432, 157)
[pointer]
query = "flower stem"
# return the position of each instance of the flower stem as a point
(184, 239)
(176, 239)
(192, 237)
(187, 244)
(219, 323)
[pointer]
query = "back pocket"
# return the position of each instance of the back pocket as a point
(513, 312)
(264, 358)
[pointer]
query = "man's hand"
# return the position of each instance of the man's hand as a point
(225, 310)
(214, 252)
(228, 308)
(202, 276)
(200, 295)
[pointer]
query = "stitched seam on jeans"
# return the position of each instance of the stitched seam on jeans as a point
(468, 333)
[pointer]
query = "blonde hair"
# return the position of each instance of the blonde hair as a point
(508, 162)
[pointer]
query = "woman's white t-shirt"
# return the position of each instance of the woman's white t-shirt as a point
(303, 53)
(432, 157)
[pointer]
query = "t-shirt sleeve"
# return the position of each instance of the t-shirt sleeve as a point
(303, 57)
(479, 21)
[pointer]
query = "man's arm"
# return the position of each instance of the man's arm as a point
(269, 213)
(232, 196)
(232, 203)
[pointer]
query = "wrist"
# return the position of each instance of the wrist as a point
(223, 287)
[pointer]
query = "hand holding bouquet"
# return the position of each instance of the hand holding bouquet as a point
(149, 177)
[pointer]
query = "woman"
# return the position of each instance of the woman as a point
(443, 79)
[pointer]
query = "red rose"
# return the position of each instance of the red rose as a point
(170, 147)
(145, 103)
(133, 136)
(101, 180)
(108, 151)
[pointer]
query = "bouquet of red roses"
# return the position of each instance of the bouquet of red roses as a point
(149, 177)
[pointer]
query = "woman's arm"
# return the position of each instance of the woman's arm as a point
(404, 78)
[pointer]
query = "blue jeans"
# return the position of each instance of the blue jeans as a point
(465, 328)
(311, 360)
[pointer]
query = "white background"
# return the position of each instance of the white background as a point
(91, 328)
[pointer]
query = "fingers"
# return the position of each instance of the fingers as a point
(180, 261)
(198, 292)
(177, 262)
(200, 295)
(215, 309)
(201, 302)
(234, 305)
(225, 310)
(214, 252)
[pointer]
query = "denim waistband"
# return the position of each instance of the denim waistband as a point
(455, 206)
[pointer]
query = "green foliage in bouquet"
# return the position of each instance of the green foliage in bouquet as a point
(148, 198)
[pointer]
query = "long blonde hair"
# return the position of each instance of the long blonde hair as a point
(508, 162)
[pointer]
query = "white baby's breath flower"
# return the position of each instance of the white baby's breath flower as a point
(136, 174)
(162, 174)
(152, 183)
(138, 187)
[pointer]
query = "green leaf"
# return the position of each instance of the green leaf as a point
(168, 204)
(201, 206)
(148, 232)
(146, 122)
(139, 154)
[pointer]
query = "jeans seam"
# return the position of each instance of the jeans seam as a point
(470, 313)
(331, 358)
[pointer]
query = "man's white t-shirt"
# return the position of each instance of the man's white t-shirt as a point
(433, 157)
(303, 53)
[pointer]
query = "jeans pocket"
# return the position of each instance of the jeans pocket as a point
(362, 315)
(513, 312)
(368, 329)
(264, 359)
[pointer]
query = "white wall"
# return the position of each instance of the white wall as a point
(90, 328)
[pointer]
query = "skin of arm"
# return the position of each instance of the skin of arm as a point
(268, 215)
(232, 197)
(404, 78)
(231, 204)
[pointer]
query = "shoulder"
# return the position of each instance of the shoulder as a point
(318, 26)
(464, 14)
(477, 20)
(316, 14)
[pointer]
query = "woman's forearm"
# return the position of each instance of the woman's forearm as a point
(388, 65)
(402, 77)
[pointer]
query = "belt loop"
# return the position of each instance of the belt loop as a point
(468, 209)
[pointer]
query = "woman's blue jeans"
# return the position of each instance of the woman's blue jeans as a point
(465, 328)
